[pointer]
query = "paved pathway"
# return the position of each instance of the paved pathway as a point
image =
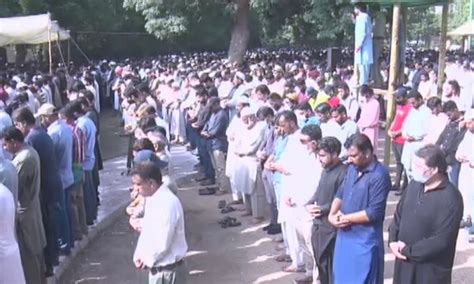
(236, 255)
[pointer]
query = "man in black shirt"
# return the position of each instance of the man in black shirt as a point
(450, 139)
(425, 226)
(324, 234)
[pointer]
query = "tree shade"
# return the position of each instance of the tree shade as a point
(406, 3)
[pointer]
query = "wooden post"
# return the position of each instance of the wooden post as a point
(68, 52)
(442, 49)
(50, 53)
(392, 81)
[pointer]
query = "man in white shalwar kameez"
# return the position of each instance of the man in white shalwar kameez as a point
(286, 165)
(414, 129)
(304, 175)
(11, 270)
(465, 155)
(248, 169)
(232, 133)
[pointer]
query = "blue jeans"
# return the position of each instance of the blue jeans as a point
(192, 135)
(453, 173)
(90, 197)
(63, 219)
(204, 150)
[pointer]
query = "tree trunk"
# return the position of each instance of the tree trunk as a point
(240, 33)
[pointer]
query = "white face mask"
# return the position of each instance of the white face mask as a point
(419, 176)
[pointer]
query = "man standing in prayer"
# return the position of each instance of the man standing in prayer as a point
(248, 171)
(450, 139)
(414, 129)
(214, 132)
(369, 116)
(62, 141)
(30, 231)
(465, 156)
(358, 212)
(395, 133)
(305, 173)
(347, 127)
(10, 260)
(363, 56)
(162, 246)
(425, 227)
(324, 234)
(50, 192)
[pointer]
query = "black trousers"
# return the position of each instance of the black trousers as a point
(323, 260)
(400, 172)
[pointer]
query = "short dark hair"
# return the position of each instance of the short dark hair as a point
(263, 89)
(12, 133)
(455, 85)
(288, 116)
(434, 157)
(148, 170)
(330, 145)
(361, 142)
(450, 106)
(414, 94)
(340, 109)
(361, 6)
(366, 90)
(201, 91)
(265, 112)
(433, 103)
(323, 108)
(143, 144)
(304, 106)
(24, 115)
(312, 131)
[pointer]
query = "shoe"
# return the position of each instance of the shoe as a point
(221, 192)
(227, 210)
(200, 179)
(274, 230)
(267, 227)
(207, 183)
(207, 191)
(304, 280)
(236, 202)
(221, 204)
(399, 192)
(466, 223)
(283, 258)
(395, 188)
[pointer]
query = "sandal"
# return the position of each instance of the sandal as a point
(292, 269)
(283, 258)
(231, 222)
(227, 210)
(225, 220)
(221, 204)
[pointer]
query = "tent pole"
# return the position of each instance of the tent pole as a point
(392, 81)
(68, 52)
(442, 49)
(49, 50)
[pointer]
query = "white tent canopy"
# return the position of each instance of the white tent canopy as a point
(30, 30)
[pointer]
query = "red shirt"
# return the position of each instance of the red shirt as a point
(400, 116)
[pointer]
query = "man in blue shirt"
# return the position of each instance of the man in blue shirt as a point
(358, 211)
(50, 188)
(90, 190)
(61, 135)
(215, 133)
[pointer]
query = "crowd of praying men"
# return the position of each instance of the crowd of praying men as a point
(279, 132)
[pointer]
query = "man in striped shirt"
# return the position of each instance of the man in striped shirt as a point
(77, 210)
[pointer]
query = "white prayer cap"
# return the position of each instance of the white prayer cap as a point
(21, 85)
(248, 111)
(469, 115)
(242, 100)
(175, 84)
(240, 75)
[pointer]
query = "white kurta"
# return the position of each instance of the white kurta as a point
(11, 270)
(466, 174)
(416, 125)
(246, 168)
(235, 127)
